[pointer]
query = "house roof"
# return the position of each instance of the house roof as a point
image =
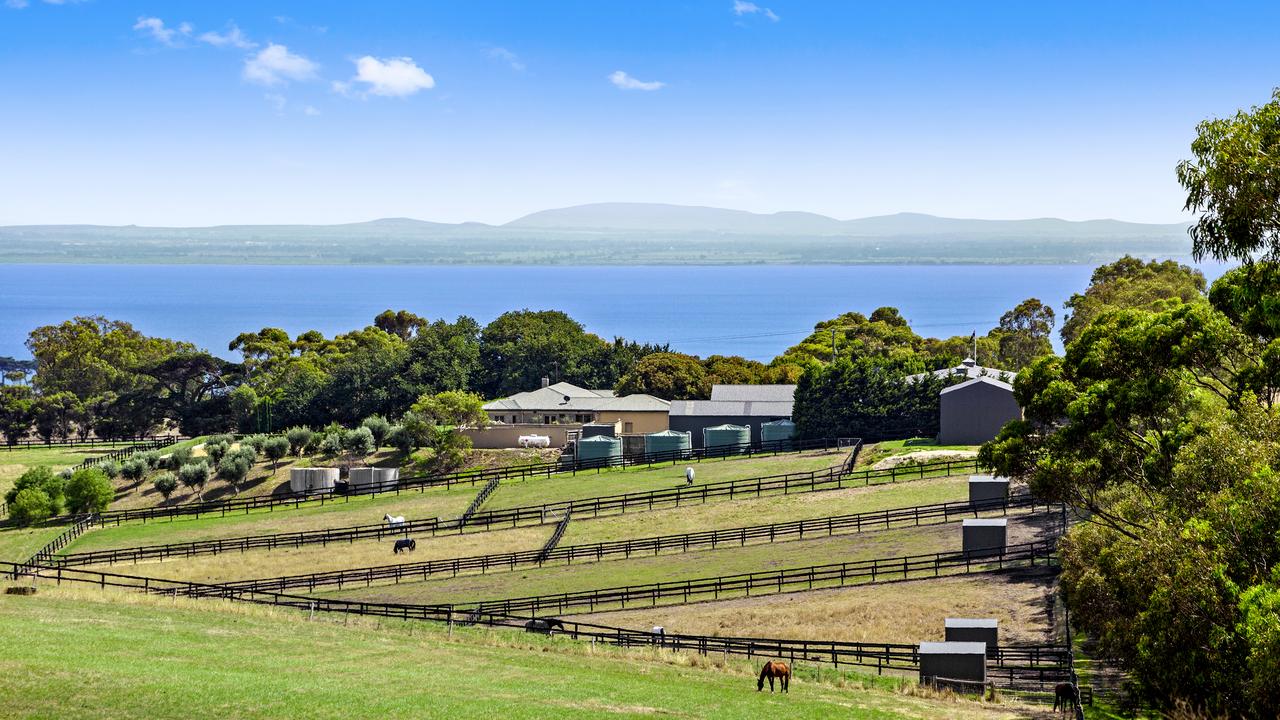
(712, 408)
(564, 397)
(970, 369)
(751, 393)
(975, 381)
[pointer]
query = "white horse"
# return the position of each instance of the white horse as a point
(393, 520)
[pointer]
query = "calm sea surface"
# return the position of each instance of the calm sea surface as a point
(755, 311)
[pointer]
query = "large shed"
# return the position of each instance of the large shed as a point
(747, 405)
(973, 412)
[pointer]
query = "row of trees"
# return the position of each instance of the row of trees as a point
(1161, 424)
(99, 376)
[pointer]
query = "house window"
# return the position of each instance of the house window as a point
(627, 427)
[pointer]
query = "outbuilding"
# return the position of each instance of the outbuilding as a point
(973, 412)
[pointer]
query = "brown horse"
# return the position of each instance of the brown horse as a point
(775, 669)
(1066, 694)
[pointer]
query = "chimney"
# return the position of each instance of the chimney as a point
(545, 381)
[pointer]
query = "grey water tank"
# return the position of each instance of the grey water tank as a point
(726, 436)
(668, 443)
(320, 480)
(988, 489)
(298, 480)
(597, 429)
(370, 478)
(599, 450)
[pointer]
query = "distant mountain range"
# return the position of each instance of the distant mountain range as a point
(613, 234)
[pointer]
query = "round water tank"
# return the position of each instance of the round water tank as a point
(726, 436)
(298, 480)
(322, 479)
(599, 450)
(777, 431)
(668, 444)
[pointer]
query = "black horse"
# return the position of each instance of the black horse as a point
(543, 625)
(1067, 695)
(408, 544)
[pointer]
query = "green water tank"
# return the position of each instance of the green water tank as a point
(777, 431)
(668, 443)
(599, 450)
(726, 436)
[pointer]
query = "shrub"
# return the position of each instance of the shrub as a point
(216, 449)
(276, 448)
(52, 485)
(179, 457)
(225, 438)
(378, 426)
(110, 468)
(359, 442)
(133, 469)
(194, 475)
(247, 453)
(30, 506)
(150, 457)
(254, 441)
(165, 483)
(234, 468)
(400, 438)
(89, 491)
(331, 444)
(300, 439)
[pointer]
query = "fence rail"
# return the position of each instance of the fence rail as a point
(678, 543)
(470, 477)
(1008, 664)
(815, 481)
(775, 581)
(88, 442)
(46, 554)
(130, 450)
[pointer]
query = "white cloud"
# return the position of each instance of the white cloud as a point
(392, 77)
(16, 4)
(504, 55)
(742, 7)
(156, 28)
(310, 110)
(626, 82)
(231, 38)
(275, 65)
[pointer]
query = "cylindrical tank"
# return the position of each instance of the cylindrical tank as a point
(777, 431)
(298, 480)
(599, 450)
(369, 478)
(598, 429)
(321, 480)
(726, 436)
(668, 443)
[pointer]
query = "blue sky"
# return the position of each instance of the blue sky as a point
(118, 112)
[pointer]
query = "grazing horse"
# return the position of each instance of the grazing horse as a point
(407, 544)
(543, 625)
(688, 476)
(393, 520)
(775, 669)
(1066, 694)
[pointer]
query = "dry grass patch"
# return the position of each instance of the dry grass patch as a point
(903, 612)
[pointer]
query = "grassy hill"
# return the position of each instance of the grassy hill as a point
(132, 656)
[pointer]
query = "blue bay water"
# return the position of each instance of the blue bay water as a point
(754, 311)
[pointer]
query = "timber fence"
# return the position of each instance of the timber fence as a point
(469, 477)
(74, 443)
(646, 547)
(1020, 664)
(816, 481)
(481, 496)
(46, 554)
(777, 581)
(550, 545)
